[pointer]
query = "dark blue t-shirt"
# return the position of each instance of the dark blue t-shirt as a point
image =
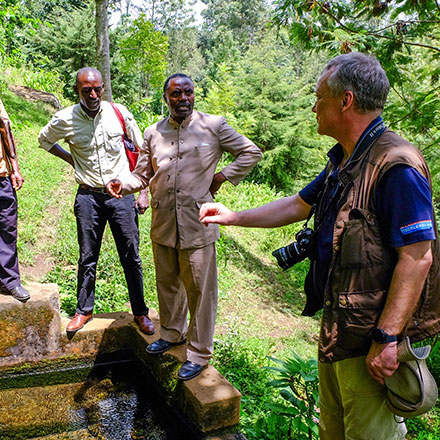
(403, 205)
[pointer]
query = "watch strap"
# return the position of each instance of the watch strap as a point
(382, 337)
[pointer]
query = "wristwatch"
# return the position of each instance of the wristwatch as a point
(381, 336)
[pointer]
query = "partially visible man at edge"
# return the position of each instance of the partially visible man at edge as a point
(178, 162)
(11, 181)
(375, 269)
(94, 135)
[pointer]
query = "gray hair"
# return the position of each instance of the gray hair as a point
(361, 74)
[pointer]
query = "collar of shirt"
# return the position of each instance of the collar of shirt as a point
(84, 113)
(336, 153)
(184, 123)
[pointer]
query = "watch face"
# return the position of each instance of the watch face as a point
(378, 335)
(381, 336)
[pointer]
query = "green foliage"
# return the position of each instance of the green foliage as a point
(269, 98)
(64, 43)
(221, 99)
(35, 77)
(241, 361)
(142, 113)
(14, 18)
(144, 50)
(433, 360)
(244, 19)
(42, 175)
(404, 36)
(229, 28)
(43, 8)
(425, 427)
(298, 381)
(184, 54)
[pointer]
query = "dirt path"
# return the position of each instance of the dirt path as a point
(43, 260)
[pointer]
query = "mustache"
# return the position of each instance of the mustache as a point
(92, 104)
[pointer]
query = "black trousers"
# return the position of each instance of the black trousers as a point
(9, 272)
(93, 210)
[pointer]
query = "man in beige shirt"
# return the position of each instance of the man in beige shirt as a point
(97, 154)
(178, 161)
(11, 181)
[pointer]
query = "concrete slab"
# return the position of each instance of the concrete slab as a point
(33, 333)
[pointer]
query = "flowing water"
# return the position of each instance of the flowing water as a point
(115, 401)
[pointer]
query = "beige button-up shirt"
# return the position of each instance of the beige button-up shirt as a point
(5, 166)
(178, 163)
(95, 143)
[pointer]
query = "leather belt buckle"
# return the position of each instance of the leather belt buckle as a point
(101, 190)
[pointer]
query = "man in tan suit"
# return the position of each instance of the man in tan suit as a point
(178, 161)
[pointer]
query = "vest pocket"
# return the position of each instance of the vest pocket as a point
(359, 241)
(358, 314)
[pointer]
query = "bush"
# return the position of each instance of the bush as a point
(298, 381)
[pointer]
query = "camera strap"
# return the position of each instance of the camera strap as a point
(373, 132)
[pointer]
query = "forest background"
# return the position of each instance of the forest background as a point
(255, 62)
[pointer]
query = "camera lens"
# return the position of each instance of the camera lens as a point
(288, 255)
(295, 252)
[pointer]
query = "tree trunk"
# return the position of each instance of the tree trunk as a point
(103, 46)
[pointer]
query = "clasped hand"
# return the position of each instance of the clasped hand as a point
(114, 188)
(382, 360)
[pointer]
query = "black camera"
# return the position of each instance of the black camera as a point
(297, 251)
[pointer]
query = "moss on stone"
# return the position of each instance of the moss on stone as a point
(10, 334)
(14, 320)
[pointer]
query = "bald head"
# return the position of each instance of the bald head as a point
(89, 87)
(88, 72)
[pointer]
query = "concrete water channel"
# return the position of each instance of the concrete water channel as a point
(101, 383)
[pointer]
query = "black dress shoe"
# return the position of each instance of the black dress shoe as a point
(20, 293)
(189, 370)
(161, 346)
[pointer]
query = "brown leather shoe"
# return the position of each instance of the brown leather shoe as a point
(79, 321)
(145, 324)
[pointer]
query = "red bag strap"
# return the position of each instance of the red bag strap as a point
(120, 117)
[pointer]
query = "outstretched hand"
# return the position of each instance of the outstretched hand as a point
(382, 360)
(114, 188)
(216, 213)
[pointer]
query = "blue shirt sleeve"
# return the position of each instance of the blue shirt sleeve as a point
(404, 207)
(310, 193)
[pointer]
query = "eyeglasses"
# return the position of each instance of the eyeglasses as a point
(88, 90)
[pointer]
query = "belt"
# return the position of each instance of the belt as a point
(102, 189)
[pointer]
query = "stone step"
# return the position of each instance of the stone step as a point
(32, 336)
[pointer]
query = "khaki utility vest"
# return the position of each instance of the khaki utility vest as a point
(363, 262)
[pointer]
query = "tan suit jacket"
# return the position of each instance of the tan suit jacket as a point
(178, 162)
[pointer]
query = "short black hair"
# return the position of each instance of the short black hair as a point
(175, 75)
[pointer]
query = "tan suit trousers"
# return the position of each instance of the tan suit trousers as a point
(187, 278)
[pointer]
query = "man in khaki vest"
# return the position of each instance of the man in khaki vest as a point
(177, 162)
(374, 251)
(11, 181)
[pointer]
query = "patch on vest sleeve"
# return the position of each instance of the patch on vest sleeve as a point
(422, 225)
